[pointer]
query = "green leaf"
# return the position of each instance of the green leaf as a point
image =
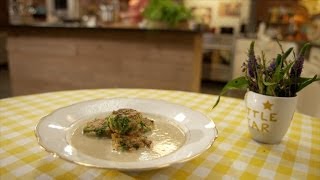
(303, 82)
(286, 54)
(269, 83)
(260, 82)
(270, 90)
(279, 73)
(276, 75)
(280, 46)
(167, 11)
(238, 83)
(286, 69)
(304, 48)
(278, 60)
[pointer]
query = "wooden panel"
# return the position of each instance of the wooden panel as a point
(40, 46)
(4, 13)
(42, 64)
(197, 63)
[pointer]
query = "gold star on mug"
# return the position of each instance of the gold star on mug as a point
(267, 105)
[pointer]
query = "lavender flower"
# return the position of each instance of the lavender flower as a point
(296, 70)
(252, 62)
(272, 66)
(298, 65)
(281, 78)
(253, 86)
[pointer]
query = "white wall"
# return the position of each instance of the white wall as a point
(309, 97)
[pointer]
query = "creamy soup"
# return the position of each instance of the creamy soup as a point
(166, 138)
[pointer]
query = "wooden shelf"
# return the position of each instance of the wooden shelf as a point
(217, 46)
(217, 71)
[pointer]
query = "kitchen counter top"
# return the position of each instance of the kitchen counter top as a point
(102, 58)
(99, 26)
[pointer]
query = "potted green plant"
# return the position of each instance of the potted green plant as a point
(271, 92)
(165, 13)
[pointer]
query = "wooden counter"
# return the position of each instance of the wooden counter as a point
(51, 59)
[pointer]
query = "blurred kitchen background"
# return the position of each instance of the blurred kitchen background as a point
(218, 33)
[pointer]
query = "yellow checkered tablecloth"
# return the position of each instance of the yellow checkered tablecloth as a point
(233, 155)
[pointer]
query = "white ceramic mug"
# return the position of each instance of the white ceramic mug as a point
(269, 117)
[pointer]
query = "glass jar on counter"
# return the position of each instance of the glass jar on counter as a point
(109, 11)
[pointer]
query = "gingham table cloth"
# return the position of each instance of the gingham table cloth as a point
(233, 155)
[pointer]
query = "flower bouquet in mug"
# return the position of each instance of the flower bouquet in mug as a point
(272, 92)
